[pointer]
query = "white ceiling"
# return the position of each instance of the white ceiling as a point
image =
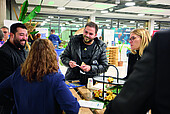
(85, 8)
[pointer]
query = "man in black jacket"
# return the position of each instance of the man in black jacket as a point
(148, 85)
(12, 54)
(85, 55)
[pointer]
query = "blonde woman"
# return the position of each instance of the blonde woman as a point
(139, 39)
(38, 87)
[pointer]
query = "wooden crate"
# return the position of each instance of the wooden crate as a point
(112, 55)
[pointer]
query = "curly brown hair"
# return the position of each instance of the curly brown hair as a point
(41, 60)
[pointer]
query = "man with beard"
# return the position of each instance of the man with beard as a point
(85, 55)
(12, 54)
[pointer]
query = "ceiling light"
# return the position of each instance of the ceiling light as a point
(67, 23)
(129, 3)
(80, 18)
(117, 2)
(104, 11)
(47, 19)
(44, 21)
(124, 26)
(42, 24)
(141, 14)
(132, 21)
(50, 16)
(73, 21)
(61, 8)
(111, 9)
(108, 20)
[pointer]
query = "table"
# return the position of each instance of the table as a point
(82, 110)
(87, 95)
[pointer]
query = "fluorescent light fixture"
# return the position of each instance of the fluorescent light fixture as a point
(67, 23)
(117, 2)
(80, 18)
(73, 21)
(108, 20)
(44, 21)
(104, 11)
(132, 21)
(124, 26)
(129, 3)
(61, 8)
(141, 14)
(47, 19)
(50, 16)
(42, 24)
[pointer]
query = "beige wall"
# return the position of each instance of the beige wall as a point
(2, 12)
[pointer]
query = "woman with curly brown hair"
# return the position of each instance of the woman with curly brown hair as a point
(38, 87)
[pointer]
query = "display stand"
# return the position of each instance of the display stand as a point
(103, 79)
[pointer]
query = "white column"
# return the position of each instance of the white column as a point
(92, 18)
(151, 26)
(2, 12)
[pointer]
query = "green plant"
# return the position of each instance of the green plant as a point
(120, 48)
(32, 14)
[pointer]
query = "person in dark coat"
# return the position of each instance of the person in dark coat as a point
(148, 85)
(139, 39)
(85, 55)
(12, 55)
(38, 87)
(54, 38)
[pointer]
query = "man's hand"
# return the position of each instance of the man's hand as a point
(85, 68)
(72, 64)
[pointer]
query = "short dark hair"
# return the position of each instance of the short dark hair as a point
(92, 24)
(1, 35)
(52, 30)
(13, 28)
(5, 27)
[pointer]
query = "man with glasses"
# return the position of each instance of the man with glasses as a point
(85, 55)
(5, 30)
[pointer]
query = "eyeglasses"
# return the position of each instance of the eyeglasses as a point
(5, 32)
(132, 38)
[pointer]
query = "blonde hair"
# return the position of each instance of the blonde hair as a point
(145, 39)
(41, 60)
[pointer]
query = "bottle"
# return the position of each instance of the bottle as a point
(90, 83)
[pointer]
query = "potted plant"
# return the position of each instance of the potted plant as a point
(120, 63)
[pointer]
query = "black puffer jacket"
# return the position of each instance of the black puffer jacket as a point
(98, 63)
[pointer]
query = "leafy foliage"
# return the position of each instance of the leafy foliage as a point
(23, 11)
(34, 32)
(33, 14)
(120, 49)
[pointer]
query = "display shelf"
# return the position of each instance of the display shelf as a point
(112, 55)
(116, 80)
